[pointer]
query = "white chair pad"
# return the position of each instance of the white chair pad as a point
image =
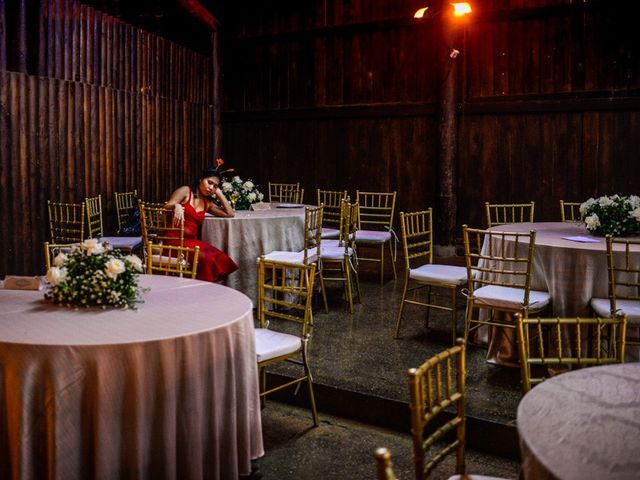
(271, 344)
(163, 260)
(602, 307)
(335, 253)
(123, 242)
(434, 273)
(330, 243)
(373, 236)
(498, 297)
(292, 257)
(329, 233)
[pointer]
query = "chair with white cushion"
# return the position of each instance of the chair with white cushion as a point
(95, 227)
(375, 228)
(331, 199)
(623, 259)
(281, 302)
(499, 271)
(339, 260)
(172, 260)
(417, 243)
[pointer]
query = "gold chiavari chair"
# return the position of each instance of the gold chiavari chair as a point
(499, 271)
(66, 222)
(503, 213)
(95, 227)
(172, 260)
(311, 250)
(332, 201)
(282, 301)
(570, 212)
(563, 342)
(52, 250)
(285, 193)
(339, 259)
(623, 262)
(384, 468)
(436, 386)
(126, 204)
(375, 226)
(158, 226)
(417, 243)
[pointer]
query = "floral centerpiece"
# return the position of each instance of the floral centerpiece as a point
(241, 194)
(92, 274)
(617, 215)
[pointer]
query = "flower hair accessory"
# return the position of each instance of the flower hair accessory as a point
(219, 163)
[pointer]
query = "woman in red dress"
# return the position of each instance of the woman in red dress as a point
(190, 205)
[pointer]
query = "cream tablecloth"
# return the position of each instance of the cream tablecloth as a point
(582, 425)
(572, 272)
(251, 234)
(168, 391)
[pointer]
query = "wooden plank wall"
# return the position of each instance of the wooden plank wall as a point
(343, 94)
(106, 107)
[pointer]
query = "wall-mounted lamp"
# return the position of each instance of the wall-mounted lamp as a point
(459, 10)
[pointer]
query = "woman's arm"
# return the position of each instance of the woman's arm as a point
(177, 197)
(225, 211)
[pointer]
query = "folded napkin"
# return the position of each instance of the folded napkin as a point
(582, 239)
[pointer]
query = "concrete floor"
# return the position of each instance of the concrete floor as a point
(342, 449)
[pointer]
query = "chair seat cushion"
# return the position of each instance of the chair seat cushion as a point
(631, 308)
(335, 253)
(271, 344)
(127, 243)
(330, 243)
(329, 233)
(292, 257)
(373, 236)
(434, 274)
(163, 260)
(509, 298)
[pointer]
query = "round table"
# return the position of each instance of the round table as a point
(167, 391)
(573, 273)
(582, 425)
(253, 233)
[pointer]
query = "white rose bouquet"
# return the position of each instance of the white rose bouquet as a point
(241, 194)
(92, 274)
(617, 215)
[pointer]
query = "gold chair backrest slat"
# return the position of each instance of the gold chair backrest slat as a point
(312, 229)
(332, 201)
(623, 258)
(158, 226)
(376, 210)
(285, 193)
(417, 235)
(432, 390)
(172, 260)
(126, 204)
(66, 222)
(570, 212)
(503, 213)
(93, 207)
(568, 342)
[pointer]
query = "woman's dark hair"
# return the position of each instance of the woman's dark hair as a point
(209, 172)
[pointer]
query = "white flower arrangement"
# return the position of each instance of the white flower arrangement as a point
(617, 215)
(241, 194)
(92, 274)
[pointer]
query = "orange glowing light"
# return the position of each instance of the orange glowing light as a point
(460, 9)
(420, 13)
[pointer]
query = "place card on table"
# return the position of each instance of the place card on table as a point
(260, 206)
(16, 282)
(582, 239)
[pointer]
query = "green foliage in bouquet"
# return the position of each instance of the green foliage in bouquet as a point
(617, 215)
(92, 274)
(241, 194)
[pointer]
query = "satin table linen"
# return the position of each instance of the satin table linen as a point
(166, 392)
(572, 272)
(253, 233)
(582, 425)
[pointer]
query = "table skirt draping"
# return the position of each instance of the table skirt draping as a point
(176, 400)
(251, 234)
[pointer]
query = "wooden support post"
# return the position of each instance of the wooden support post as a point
(216, 96)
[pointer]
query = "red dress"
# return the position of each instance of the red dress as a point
(213, 264)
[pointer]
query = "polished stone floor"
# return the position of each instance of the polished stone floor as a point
(341, 449)
(356, 352)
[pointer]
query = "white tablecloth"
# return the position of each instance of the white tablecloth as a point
(583, 425)
(572, 272)
(250, 234)
(168, 391)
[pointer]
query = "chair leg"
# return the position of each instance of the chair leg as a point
(454, 315)
(263, 385)
(401, 310)
(426, 322)
(324, 293)
(382, 264)
(346, 270)
(307, 372)
(393, 263)
(467, 320)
